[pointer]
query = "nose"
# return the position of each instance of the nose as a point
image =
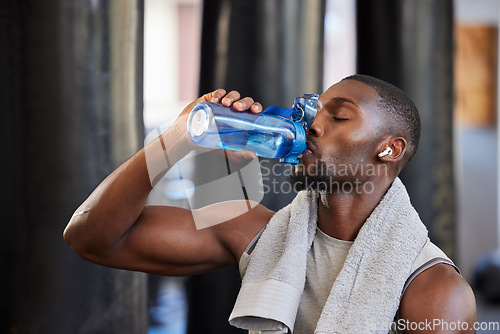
(316, 128)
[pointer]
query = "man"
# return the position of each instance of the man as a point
(361, 122)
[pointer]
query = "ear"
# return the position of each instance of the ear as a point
(397, 146)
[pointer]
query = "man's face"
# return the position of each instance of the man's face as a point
(342, 142)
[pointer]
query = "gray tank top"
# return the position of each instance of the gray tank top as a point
(324, 262)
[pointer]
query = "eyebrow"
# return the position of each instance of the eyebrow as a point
(342, 100)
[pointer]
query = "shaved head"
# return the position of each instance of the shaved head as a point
(401, 114)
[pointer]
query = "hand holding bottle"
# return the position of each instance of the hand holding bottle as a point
(232, 99)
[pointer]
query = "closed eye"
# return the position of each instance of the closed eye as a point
(340, 118)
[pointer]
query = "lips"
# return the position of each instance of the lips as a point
(309, 150)
(311, 145)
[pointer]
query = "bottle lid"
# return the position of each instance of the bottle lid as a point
(305, 109)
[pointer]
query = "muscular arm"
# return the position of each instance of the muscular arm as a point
(113, 227)
(437, 296)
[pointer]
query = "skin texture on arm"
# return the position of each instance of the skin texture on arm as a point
(165, 241)
(440, 297)
(115, 228)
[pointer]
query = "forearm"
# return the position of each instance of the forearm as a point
(111, 210)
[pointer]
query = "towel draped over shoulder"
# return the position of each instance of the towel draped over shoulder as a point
(366, 294)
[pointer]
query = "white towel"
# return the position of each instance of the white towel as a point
(366, 294)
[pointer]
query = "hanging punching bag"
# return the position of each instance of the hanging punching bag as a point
(409, 43)
(71, 101)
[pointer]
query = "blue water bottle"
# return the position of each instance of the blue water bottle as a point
(274, 133)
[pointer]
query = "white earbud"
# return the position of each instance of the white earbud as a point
(386, 151)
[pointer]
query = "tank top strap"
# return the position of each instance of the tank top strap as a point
(250, 247)
(245, 257)
(430, 263)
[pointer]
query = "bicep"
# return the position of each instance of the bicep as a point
(165, 240)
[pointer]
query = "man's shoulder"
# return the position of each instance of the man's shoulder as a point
(439, 293)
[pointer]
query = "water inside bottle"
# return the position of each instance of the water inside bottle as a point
(271, 145)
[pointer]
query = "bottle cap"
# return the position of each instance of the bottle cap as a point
(305, 109)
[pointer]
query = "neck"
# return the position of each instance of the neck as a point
(341, 215)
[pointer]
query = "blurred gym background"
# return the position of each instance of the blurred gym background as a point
(84, 81)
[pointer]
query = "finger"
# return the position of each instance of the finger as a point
(238, 156)
(234, 156)
(256, 107)
(230, 98)
(243, 104)
(217, 95)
